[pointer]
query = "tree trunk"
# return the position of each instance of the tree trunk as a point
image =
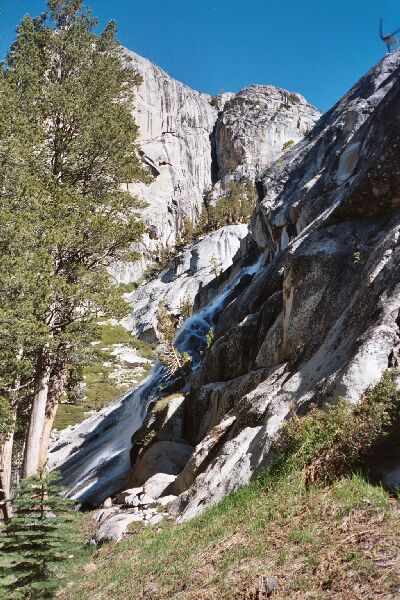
(5, 473)
(6, 450)
(56, 388)
(37, 418)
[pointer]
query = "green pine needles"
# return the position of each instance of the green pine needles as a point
(68, 154)
(37, 540)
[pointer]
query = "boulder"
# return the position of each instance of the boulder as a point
(107, 503)
(161, 457)
(128, 495)
(166, 500)
(114, 527)
(146, 501)
(155, 519)
(158, 484)
(128, 357)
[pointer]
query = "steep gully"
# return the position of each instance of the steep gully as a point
(97, 465)
(318, 321)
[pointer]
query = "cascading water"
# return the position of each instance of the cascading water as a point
(93, 457)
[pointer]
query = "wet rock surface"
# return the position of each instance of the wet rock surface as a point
(187, 278)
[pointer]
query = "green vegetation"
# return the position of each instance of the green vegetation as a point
(100, 387)
(313, 541)
(69, 414)
(161, 260)
(68, 149)
(163, 403)
(324, 445)
(37, 540)
(214, 101)
(233, 208)
(210, 337)
(128, 288)
(187, 232)
(236, 207)
(337, 539)
(113, 334)
(287, 145)
(176, 363)
(185, 308)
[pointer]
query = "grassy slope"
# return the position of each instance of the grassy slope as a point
(338, 542)
(100, 388)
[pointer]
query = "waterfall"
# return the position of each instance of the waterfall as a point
(93, 457)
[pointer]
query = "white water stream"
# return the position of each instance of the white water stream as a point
(93, 456)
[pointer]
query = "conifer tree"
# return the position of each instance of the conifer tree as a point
(36, 541)
(235, 207)
(67, 148)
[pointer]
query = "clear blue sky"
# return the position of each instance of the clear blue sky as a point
(316, 47)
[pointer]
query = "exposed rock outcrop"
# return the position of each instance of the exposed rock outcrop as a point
(317, 317)
(187, 279)
(175, 128)
(188, 142)
(256, 126)
(322, 317)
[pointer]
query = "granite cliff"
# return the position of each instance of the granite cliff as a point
(190, 141)
(305, 312)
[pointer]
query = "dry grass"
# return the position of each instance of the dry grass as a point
(340, 542)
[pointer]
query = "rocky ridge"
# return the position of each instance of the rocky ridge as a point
(317, 317)
(188, 141)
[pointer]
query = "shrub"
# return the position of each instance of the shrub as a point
(186, 308)
(175, 362)
(214, 101)
(330, 443)
(210, 337)
(287, 145)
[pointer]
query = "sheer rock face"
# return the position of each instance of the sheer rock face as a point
(179, 146)
(175, 128)
(257, 125)
(322, 318)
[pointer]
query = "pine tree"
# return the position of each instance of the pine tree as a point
(235, 207)
(37, 540)
(202, 223)
(67, 148)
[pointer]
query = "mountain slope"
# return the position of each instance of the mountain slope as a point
(187, 142)
(321, 318)
(316, 316)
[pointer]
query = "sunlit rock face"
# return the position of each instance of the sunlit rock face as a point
(179, 146)
(257, 125)
(188, 279)
(322, 317)
(175, 129)
(316, 317)
(188, 141)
